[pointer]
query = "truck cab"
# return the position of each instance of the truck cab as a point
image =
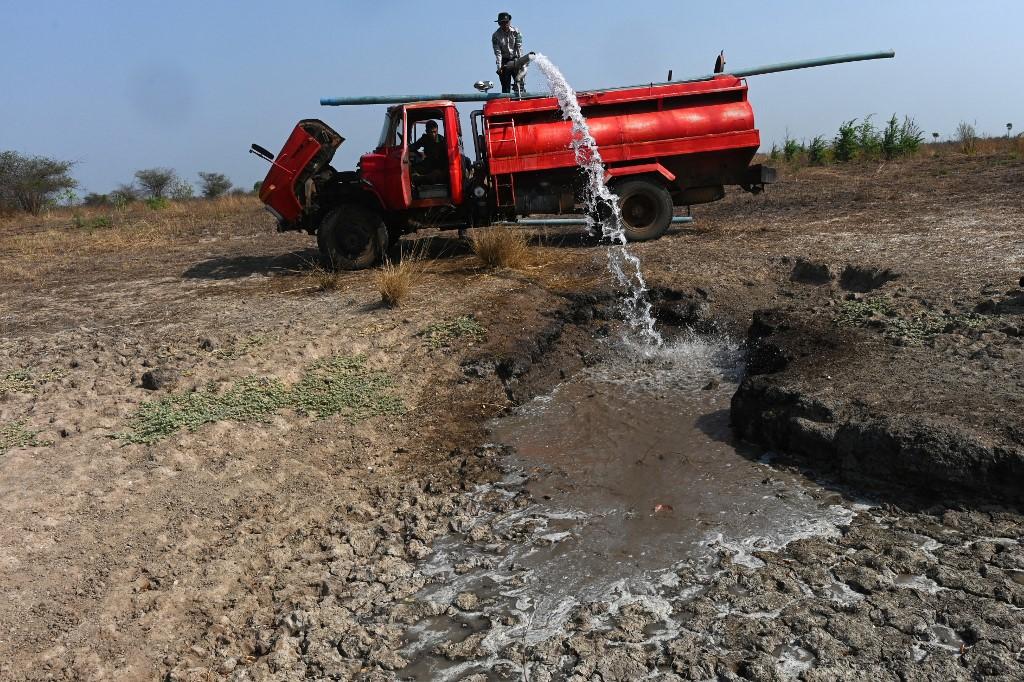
(392, 169)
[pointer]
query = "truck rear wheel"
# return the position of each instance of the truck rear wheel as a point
(646, 209)
(350, 238)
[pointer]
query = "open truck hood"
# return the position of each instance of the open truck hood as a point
(308, 150)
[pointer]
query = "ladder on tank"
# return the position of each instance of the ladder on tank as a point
(504, 184)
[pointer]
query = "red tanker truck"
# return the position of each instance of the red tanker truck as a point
(663, 145)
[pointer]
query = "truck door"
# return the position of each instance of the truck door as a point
(390, 174)
(456, 158)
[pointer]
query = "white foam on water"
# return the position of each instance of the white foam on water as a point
(742, 549)
(624, 265)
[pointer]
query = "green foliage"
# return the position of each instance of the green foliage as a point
(817, 151)
(791, 148)
(336, 385)
(158, 203)
(442, 334)
(844, 144)
(869, 140)
(33, 182)
(774, 153)
(15, 435)
(256, 186)
(911, 137)
(891, 139)
(156, 182)
(213, 185)
(342, 385)
(123, 195)
(97, 223)
(95, 199)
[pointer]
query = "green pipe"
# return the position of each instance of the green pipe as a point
(484, 96)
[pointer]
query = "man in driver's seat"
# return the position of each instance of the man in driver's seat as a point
(433, 168)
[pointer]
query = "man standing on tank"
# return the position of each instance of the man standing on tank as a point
(507, 42)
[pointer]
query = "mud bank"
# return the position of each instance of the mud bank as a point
(937, 417)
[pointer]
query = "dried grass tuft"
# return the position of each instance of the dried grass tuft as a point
(501, 247)
(395, 281)
(324, 279)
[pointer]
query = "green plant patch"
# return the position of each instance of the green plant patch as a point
(442, 334)
(856, 313)
(343, 385)
(336, 385)
(25, 381)
(17, 381)
(914, 329)
(243, 348)
(15, 435)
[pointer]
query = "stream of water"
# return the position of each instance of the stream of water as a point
(623, 264)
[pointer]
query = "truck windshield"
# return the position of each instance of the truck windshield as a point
(391, 134)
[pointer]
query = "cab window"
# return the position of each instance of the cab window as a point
(391, 134)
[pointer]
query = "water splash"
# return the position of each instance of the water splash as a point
(600, 201)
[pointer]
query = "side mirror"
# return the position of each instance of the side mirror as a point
(261, 152)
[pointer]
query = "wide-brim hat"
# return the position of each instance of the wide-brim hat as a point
(503, 16)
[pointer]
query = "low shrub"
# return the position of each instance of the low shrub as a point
(335, 385)
(501, 247)
(442, 334)
(817, 151)
(967, 137)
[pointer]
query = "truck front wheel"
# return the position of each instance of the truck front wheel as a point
(350, 238)
(646, 209)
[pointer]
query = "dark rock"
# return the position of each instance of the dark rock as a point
(810, 272)
(207, 344)
(862, 279)
(160, 378)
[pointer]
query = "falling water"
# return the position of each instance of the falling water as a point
(624, 265)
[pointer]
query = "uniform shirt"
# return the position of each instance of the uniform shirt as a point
(435, 153)
(507, 46)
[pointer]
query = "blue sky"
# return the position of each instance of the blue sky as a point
(121, 86)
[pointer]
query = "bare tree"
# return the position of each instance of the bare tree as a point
(214, 184)
(31, 182)
(156, 181)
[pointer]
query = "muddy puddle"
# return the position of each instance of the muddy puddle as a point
(622, 484)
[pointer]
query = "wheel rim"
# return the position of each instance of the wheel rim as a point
(639, 211)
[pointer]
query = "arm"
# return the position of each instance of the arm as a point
(417, 145)
(517, 51)
(497, 50)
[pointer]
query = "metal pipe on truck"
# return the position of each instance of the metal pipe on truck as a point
(485, 96)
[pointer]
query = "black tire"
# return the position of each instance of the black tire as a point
(646, 209)
(350, 238)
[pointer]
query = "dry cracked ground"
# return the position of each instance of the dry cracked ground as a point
(211, 467)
